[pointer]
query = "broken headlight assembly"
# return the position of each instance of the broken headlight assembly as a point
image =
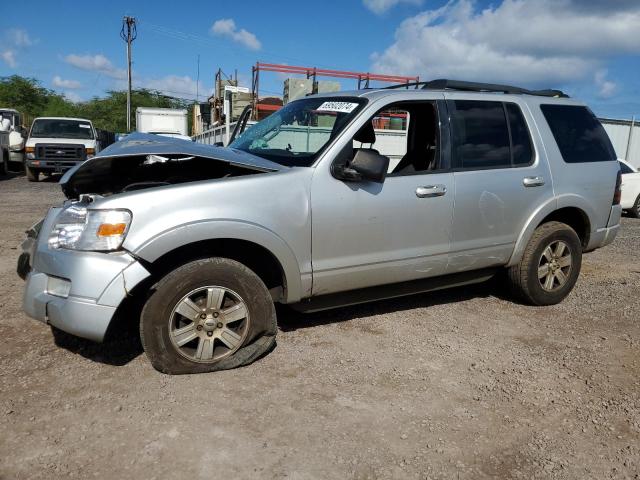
(79, 228)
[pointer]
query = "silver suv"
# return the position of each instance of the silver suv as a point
(333, 200)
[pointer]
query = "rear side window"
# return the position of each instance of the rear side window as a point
(521, 148)
(489, 135)
(578, 133)
(480, 134)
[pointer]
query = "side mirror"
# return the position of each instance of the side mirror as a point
(367, 165)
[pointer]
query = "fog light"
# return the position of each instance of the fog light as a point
(58, 287)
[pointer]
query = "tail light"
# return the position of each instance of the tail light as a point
(617, 194)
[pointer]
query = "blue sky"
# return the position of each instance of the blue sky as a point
(589, 48)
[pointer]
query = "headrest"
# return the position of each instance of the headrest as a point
(366, 134)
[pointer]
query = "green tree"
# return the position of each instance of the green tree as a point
(109, 113)
(24, 94)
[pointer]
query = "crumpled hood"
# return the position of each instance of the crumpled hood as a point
(136, 148)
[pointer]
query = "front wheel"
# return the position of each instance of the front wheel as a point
(635, 210)
(207, 315)
(549, 267)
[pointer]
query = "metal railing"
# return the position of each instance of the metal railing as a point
(217, 134)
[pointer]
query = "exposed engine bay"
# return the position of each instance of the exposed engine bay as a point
(147, 161)
(125, 174)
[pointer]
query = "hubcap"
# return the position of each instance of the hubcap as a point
(554, 266)
(208, 324)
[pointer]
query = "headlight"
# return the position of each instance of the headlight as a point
(78, 228)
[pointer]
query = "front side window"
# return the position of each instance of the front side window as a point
(61, 128)
(480, 134)
(407, 133)
(578, 133)
(296, 133)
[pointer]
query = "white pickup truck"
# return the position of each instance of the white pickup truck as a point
(56, 144)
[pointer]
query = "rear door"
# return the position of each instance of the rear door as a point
(501, 177)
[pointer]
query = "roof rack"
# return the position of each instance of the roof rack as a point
(445, 84)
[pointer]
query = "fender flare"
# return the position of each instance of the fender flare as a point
(562, 201)
(185, 234)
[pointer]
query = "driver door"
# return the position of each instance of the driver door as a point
(365, 233)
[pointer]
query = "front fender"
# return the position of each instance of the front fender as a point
(163, 243)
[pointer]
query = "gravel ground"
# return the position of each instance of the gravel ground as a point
(456, 384)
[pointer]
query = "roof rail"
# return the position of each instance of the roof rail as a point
(445, 84)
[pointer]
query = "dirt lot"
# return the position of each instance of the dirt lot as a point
(456, 384)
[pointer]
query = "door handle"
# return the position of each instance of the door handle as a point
(428, 191)
(533, 181)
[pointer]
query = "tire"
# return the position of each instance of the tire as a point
(525, 279)
(172, 341)
(635, 210)
(33, 175)
(4, 168)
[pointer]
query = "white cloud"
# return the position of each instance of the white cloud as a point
(73, 97)
(63, 83)
(19, 37)
(226, 27)
(96, 63)
(532, 42)
(175, 86)
(9, 57)
(380, 6)
(606, 88)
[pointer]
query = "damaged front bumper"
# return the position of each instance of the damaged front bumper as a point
(75, 291)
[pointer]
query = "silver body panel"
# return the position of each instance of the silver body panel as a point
(328, 235)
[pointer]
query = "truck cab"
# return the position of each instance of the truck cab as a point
(16, 134)
(56, 144)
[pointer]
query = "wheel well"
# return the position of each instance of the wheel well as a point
(575, 218)
(257, 258)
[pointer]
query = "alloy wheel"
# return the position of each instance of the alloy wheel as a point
(208, 324)
(554, 266)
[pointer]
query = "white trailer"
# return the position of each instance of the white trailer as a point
(170, 122)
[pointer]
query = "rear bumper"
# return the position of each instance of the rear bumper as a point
(604, 236)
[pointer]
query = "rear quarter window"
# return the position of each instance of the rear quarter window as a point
(580, 136)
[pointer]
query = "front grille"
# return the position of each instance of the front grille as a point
(60, 152)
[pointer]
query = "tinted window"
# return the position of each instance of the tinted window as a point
(520, 139)
(624, 168)
(480, 134)
(578, 133)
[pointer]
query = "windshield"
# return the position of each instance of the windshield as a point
(295, 134)
(61, 128)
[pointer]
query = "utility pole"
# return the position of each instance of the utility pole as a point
(128, 34)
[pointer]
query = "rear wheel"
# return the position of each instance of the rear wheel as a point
(4, 168)
(635, 210)
(207, 315)
(33, 175)
(549, 267)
